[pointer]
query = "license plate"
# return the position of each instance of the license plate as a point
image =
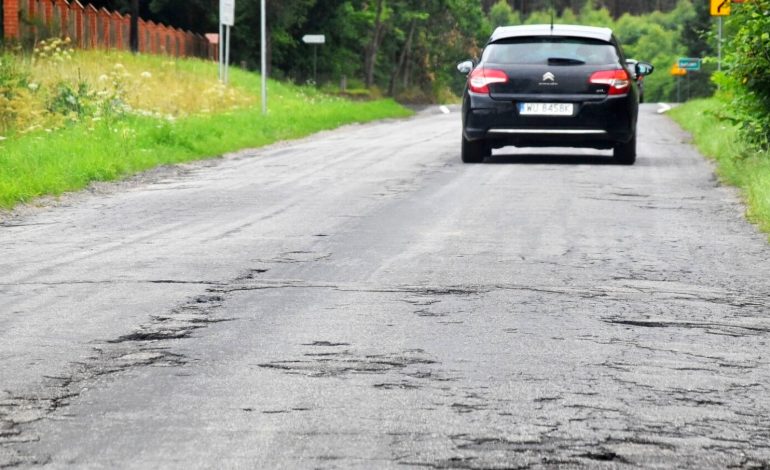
(546, 109)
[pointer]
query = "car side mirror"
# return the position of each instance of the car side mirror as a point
(465, 67)
(644, 68)
(631, 66)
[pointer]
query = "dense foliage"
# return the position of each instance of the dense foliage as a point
(746, 83)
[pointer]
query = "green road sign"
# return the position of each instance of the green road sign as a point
(691, 64)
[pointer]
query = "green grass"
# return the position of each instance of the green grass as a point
(54, 161)
(738, 163)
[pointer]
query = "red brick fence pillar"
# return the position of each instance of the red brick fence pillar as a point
(48, 12)
(92, 27)
(11, 19)
(77, 26)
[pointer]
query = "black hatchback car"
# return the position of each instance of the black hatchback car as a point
(551, 86)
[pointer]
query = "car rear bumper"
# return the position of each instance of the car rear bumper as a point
(598, 123)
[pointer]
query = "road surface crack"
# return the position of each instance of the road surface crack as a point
(141, 348)
(342, 363)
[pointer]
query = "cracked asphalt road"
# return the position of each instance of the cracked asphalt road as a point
(360, 299)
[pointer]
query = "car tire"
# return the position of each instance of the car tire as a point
(625, 153)
(474, 151)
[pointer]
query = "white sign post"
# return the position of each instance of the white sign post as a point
(720, 8)
(315, 40)
(226, 20)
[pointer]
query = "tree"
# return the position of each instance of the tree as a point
(381, 15)
(410, 14)
(592, 15)
(501, 14)
(284, 19)
(200, 16)
(699, 41)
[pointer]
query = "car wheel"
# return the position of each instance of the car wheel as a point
(625, 153)
(474, 151)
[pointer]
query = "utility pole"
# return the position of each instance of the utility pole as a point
(263, 53)
(134, 29)
(678, 89)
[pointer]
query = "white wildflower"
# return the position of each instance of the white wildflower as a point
(146, 75)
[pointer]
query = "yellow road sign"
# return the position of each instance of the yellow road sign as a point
(720, 7)
(677, 71)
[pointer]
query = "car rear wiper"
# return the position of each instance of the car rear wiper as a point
(564, 61)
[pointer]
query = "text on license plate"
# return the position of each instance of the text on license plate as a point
(546, 109)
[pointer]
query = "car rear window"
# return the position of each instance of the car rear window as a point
(543, 50)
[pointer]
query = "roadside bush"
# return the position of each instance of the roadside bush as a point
(14, 102)
(746, 84)
(73, 102)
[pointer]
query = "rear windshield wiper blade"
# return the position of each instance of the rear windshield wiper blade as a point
(564, 61)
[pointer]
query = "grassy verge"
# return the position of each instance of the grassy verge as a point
(166, 112)
(738, 163)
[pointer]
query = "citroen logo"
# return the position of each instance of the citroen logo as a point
(549, 77)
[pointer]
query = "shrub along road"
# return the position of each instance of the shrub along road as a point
(361, 299)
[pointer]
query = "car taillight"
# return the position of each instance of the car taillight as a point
(481, 78)
(617, 80)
